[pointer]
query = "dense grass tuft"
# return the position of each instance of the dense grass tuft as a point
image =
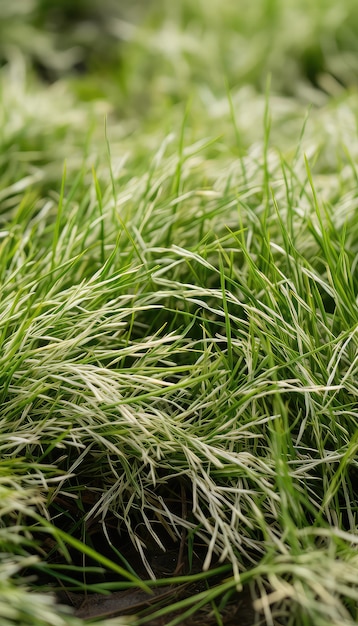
(179, 306)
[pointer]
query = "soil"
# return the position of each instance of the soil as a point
(236, 610)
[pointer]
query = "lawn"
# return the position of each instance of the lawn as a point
(178, 313)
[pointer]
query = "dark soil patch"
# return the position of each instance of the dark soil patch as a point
(176, 561)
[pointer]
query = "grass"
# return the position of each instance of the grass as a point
(178, 314)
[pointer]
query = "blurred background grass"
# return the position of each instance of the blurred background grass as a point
(141, 53)
(67, 65)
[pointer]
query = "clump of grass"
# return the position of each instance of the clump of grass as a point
(178, 331)
(207, 337)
